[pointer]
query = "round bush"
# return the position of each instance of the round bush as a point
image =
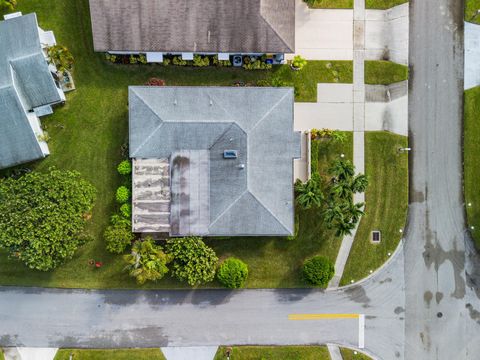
(233, 273)
(126, 210)
(118, 237)
(122, 194)
(318, 270)
(125, 167)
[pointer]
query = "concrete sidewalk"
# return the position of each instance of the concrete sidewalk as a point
(472, 55)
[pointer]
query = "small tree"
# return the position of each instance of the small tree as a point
(309, 193)
(193, 261)
(61, 57)
(42, 216)
(318, 271)
(118, 237)
(125, 167)
(298, 63)
(147, 261)
(126, 210)
(233, 273)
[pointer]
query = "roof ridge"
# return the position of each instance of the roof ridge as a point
(228, 208)
(154, 131)
(268, 210)
(269, 112)
(273, 28)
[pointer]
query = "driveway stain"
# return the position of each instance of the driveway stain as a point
(427, 297)
(359, 295)
(398, 310)
(474, 314)
(438, 297)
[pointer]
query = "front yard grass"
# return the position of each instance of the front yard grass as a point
(110, 354)
(275, 353)
(386, 204)
(330, 4)
(348, 354)
(87, 135)
(379, 72)
(472, 160)
(471, 11)
(383, 4)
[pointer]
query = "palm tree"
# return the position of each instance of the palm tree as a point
(309, 193)
(354, 211)
(332, 214)
(342, 170)
(342, 189)
(359, 183)
(344, 228)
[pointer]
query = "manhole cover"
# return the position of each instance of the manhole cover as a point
(439, 315)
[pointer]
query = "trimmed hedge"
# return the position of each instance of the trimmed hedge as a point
(318, 271)
(233, 273)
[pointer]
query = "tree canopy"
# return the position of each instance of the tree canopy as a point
(42, 216)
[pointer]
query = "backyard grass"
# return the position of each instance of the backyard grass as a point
(472, 160)
(383, 4)
(113, 354)
(379, 72)
(330, 4)
(87, 135)
(386, 204)
(471, 11)
(348, 354)
(275, 353)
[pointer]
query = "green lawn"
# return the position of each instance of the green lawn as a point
(1, 355)
(113, 354)
(379, 72)
(348, 354)
(472, 160)
(275, 353)
(87, 135)
(330, 4)
(383, 4)
(471, 11)
(386, 204)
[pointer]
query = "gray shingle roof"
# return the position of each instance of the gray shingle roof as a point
(257, 122)
(248, 26)
(25, 83)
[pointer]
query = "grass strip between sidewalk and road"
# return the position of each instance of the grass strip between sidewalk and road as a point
(110, 354)
(274, 353)
(386, 207)
(383, 4)
(472, 161)
(380, 72)
(472, 8)
(348, 354)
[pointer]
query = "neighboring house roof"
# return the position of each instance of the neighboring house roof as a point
(249, 195)
(248, 26)
(25, 83)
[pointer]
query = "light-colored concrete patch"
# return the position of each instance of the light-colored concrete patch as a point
(391, 116)
(189, 353)
(334, 93)
(300, 166)
(472, 55)
(323, 115)
(334, 351)
(323, 34)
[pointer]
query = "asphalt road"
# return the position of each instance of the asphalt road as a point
(441, 305)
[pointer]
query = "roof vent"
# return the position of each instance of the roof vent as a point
(230, 154)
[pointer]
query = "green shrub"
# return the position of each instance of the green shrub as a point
(318, 271)
(123, 194)
(257, 65)
(309, 194)
(147, 261)
(126, 210)
(133, 59)
(61, 57)
(221, 63)
(263, 83)
(193, 261)
(42, 216)
(314, 149)
(118, 237)
(125, 167)
(166, 61)
(298, 62)
(177, 60)
(233, 273)
(142, 59)
(110, 57)
(201, 61)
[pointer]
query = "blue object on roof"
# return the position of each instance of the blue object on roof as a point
(230, 154)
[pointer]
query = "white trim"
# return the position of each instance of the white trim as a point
(12, 15)
(154, 57)
(223, 56)
(361, 331)
(187, 55)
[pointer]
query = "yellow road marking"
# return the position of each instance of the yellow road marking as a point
(322, 316)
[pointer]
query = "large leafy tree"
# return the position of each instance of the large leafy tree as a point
(193, 261)
(42, 216)
(147, 261)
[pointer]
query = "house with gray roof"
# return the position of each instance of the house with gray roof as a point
(27, 89)
(187, 27)
(212, 161)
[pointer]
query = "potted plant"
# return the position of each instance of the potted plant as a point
(298, 63)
